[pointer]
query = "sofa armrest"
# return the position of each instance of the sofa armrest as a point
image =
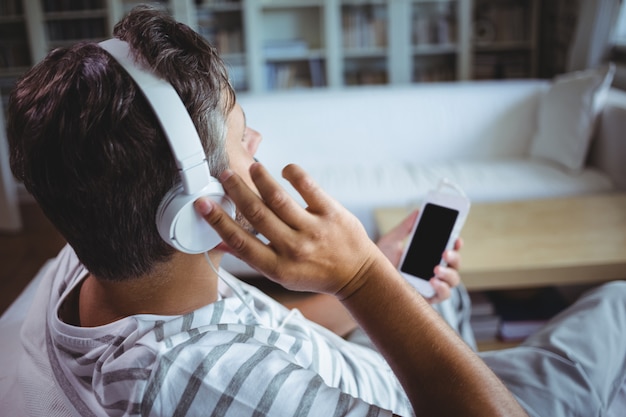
(608, 149)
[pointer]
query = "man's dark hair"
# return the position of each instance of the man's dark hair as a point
(88, 147)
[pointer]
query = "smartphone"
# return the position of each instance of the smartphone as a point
(437, 227)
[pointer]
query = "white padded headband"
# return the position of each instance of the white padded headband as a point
(172, 115)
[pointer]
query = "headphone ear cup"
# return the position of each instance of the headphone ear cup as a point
(182, 227)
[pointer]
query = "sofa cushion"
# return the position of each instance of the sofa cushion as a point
(567, 115)
(363, 188)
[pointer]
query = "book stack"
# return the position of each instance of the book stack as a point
(364, 27)
(523, 312)
(484, 320)
(501, 65)
(295, 74)
(438, 72)
(429, 30)
(509, 20)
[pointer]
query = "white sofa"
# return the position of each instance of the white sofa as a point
(385, 146)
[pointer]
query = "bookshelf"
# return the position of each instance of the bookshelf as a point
(364, 43)
(68, 22)
(505, 39)
(273, 45)
(440, 36)
(53, 24)
(293, 44)
(356, 42)
(223, 24)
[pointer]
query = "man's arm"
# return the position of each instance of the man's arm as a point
(323, 248)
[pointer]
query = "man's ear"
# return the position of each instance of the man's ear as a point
(252, 141)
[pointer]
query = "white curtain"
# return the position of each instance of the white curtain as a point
(619, 34)
(10, 219)
(592, 40)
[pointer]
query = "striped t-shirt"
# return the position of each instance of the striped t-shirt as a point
(218, 360)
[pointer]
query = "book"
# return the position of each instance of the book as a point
(318, 78)
(484, 321)
(481, 304)
(519, 330)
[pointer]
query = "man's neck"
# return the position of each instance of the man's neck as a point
(185, 284)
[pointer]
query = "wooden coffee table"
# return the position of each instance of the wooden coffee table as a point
(560, 241)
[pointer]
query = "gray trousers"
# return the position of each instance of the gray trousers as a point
(574, 366)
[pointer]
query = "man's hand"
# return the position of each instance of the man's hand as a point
(444, 278)
(320, 248)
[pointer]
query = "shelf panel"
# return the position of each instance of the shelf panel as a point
(75, 14)
(286, 4)
(364, 2)
(12, 72)
(502, 46)
(422, 2)
(235, 57)
(14, 18)
(296, 56)
(450, 48)
(221, 6)
(66, 43)
(364, 53)
(299, 28)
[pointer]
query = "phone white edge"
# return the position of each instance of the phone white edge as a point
(454, 201)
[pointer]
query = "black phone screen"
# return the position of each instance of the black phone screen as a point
(429, 240)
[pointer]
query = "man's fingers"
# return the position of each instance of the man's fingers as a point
(317, 200)
(277, 198)
(448, 275)
(241, 243)
(452, 258)
(251, 206)
(442, 290)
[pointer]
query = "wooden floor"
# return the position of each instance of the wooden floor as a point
(23, 253)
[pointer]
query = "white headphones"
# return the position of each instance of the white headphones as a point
(177, 221)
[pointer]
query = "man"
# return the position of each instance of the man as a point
(127, 325)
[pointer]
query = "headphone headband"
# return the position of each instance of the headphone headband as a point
(172, 115)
